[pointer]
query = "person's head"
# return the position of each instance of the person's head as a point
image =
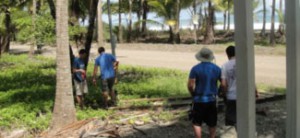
(101, 50)
(205, 55)
(230, 51)
(82, 53)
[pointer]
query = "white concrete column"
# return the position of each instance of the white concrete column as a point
(243, 19)
(292, 11)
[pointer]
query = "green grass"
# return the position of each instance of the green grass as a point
(271, 89)
(27, 90)
(151, 82)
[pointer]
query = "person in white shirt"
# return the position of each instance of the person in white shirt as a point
(228, 83)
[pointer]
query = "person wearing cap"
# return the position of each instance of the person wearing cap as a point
(79, 75)
(108, 66)
(202, 85)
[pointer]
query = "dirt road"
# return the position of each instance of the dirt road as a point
(270, 68)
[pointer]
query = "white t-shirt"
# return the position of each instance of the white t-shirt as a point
(228, 73)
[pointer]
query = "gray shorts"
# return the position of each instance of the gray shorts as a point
(107, 84)
(80, 87)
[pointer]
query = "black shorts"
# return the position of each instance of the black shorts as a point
(204, 112)
(107, 84)
(230, 114)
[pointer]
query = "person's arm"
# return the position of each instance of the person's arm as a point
(191, 86)
(78, 70)
(256, 92)
(95, 74)
(192, 82)
(116, 65)
(224, 85)
(74, 69)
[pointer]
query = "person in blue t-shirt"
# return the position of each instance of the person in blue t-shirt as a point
(202, 85)
(79, 75)
(108, 65)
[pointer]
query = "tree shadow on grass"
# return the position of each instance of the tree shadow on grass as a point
(30, 87)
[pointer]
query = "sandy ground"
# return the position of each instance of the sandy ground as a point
(269, 62)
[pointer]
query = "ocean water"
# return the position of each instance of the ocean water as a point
(187, 23)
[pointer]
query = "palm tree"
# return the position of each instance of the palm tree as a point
(120, 32)
(64, 110)
(272, 34)
(201, 19)
(139, 13)
(195, 25)
(165, 9)
(130, 22)
(177, 26)
(5, 34)
(209, 32)
(263, 31)
(221, 6)
(90, 30)
(229, 11)
(99, 24)
(169, 11)
(281, 20)
(112, 38)
(145, 14)
(31, 50)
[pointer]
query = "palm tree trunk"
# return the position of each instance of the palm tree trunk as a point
(90, 32)
(64, 109)
(31, 50)
(195, 25)
(171, 34)
(120, 32)
(209, 33)
(52, 8)
(130, 22)
(263, 31)
(5, 44)
(228, 16)
(177, 26)
(100, 25)
(272, 34)
(145, 14)
(112, 38)
(225, 20)
(228, 21)
(200, 17)
(139, 16)
(280, 28)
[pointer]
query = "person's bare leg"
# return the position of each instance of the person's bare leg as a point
(79, 101)
(212, 132)
(113, 96)
(105, 99)
(197, 131)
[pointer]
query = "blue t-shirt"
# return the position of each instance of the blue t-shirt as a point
(106, 64)
(207, 75)
(78, 64)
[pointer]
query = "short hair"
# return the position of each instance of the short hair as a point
(101, 49)
(230, 51)
(82, 51)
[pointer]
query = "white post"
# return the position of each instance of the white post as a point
(243, 18)
(293, 68)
